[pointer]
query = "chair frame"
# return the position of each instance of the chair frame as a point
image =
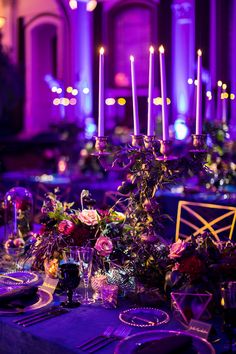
(186, 205)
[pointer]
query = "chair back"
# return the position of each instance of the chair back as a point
(196, 218)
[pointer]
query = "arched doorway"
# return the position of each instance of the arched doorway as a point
(43, 44)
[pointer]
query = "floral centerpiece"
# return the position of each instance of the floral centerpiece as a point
(63, 226)
(200, 263)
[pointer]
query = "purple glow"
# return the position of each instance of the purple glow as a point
(82, 53)
(183, 56)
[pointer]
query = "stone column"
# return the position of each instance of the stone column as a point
(183, 46)
(213, 44)
(232, 53)
(82, 56)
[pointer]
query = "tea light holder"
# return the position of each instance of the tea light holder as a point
(97, 283)
(109, 296)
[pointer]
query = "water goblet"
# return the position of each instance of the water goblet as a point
(85, 263)
(70, 255)
(69, 280)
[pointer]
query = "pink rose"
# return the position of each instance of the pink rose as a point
(104, 246)
(176, 249)
(66, 227)
(89, 217)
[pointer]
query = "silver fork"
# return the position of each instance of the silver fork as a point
(120, 333)
(96, 340)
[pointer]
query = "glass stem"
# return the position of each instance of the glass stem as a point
(86, 290)
(70, 296)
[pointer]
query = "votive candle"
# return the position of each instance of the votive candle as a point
(134, 98)
(165, 125)
(151, 123)
(101, 94)
(199, 94)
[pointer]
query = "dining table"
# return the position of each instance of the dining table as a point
(63, 334)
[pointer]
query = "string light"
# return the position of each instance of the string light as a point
(73, 4)
(110, 101)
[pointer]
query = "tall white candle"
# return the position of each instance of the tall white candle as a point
(208, 105)
(134, 98)
(165, 126)
(101, 93)
(224, 103)
(199, 94)
(151, 123)
(219, 102)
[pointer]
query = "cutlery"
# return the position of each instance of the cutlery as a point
(45, 317)
(95, 340)
(47, 312)
(34, 314)
(141, 319)
(11, 278)
(120, 333)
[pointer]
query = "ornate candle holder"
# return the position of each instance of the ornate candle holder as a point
(199, 150)
(137, 141)
(123, 158)
(152, 143)
(166, 149)
(101, 146)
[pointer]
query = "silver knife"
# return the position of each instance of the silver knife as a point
(43, 317)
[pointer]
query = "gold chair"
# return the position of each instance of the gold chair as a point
(195, 218)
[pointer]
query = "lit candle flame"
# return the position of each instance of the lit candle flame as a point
(101, 51)
(219, 83)
(161, 49)
(151, 49)
(199, 52)
(131, 58)
(224, 86)
(208, 93)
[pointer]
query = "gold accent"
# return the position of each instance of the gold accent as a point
(11, 278)
(227, 211)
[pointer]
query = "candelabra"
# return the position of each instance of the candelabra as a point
(122, 158)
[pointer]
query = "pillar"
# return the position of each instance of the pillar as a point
(82, 57)
(183, 45)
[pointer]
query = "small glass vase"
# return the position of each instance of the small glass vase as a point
(18, 213)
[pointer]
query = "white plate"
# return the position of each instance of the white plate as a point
(144, 317)
(23, 277)
(41, 299)
(130, 344)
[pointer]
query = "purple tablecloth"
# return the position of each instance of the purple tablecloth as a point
(60, 335)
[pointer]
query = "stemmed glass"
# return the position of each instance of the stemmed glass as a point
(69, 279)
(85, 262)
(69, 274)
(228, 301)
(70, 255)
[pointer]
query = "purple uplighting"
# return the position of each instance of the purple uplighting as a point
(117, 176)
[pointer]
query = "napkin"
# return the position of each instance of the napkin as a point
(169, 345)
(17, 296)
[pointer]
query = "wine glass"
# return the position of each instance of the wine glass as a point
(70, 255)
(85, 263)
(69, 280)
(228, 301)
